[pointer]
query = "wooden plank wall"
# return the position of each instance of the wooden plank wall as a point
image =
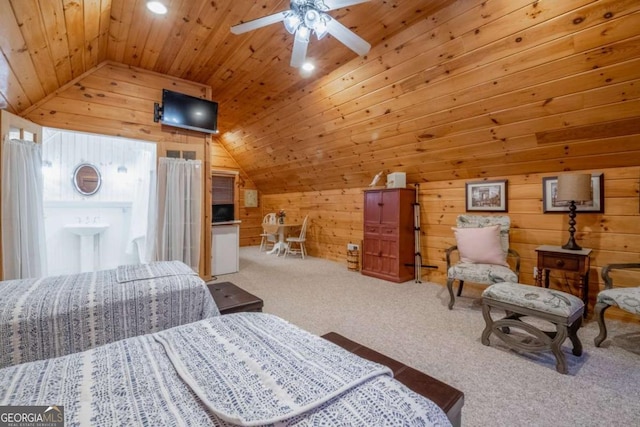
(336, 219)
(481, 88)
(114, 99)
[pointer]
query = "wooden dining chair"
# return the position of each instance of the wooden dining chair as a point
(299, 240)
(268, 238)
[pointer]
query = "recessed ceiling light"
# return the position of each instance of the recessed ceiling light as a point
(156, 7)
(308, 66)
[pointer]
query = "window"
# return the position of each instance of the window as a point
(222, 186)
(222, 197)
(176, 154)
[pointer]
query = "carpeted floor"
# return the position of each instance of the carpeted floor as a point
(410, 322)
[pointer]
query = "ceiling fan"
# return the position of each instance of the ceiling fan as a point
(310, 16)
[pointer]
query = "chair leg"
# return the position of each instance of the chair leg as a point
(452, 299)
(488, 324)
(290, 249)
(262, 243)
(460, 285)
(599, 312)
(573, 336)
(556, 348)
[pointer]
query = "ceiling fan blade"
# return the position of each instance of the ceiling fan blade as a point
(299, 52)
(348, 37)
(259, 23)
(338, 4)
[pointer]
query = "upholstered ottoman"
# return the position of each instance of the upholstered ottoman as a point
(559, 308)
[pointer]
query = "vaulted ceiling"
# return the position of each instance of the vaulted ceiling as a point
(451, 89)
(47, 43)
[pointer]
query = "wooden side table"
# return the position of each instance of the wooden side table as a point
(556, 258)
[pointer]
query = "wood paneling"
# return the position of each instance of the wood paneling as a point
(451, 91)
(527, 69)
(50, 42)
(336, 220)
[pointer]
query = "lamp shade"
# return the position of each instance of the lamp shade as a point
(574, 187)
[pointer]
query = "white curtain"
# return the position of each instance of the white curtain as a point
(179, 216)
(140, 234)
(23, 239)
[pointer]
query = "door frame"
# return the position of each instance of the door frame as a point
(203, 153)
(9, 122)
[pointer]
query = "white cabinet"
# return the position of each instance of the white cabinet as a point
(225, 244)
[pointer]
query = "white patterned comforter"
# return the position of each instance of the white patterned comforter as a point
(55, 316)
(245, 368)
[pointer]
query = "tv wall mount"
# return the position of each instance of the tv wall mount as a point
(157, 112)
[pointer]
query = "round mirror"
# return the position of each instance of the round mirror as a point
(86, 179)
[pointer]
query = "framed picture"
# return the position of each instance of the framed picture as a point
(250, 198)
(550, 190)
(487, 196)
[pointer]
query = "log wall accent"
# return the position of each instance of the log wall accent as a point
(336, 219)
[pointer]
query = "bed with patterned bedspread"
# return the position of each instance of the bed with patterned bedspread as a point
(54, 316)
(239, 369)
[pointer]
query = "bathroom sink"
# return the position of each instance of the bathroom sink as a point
(86, 229)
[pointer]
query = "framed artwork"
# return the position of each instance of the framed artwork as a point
(486, 196)
(250, 198)
(550, 190)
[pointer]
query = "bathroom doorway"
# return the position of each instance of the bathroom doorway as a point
(97, 195)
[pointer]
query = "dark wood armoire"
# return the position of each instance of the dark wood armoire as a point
(389, 240)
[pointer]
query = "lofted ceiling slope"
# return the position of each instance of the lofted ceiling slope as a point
(450, 90)
(48, 43)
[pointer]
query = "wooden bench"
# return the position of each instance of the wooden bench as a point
(559, 308)
(443, 395)
(231, 299)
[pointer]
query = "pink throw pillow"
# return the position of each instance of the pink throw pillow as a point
(480, 245)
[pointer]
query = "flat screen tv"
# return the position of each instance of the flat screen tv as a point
(187, 112)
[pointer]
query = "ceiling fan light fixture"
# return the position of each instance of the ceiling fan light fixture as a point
(292, 22)
(308, 66)
(321, 28)
(310, 16)
(157, 7)
(303, 33)
(320, 5)
(316, 21)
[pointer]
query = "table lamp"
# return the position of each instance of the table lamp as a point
(573, 188)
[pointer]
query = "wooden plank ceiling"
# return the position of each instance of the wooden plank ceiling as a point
(47, 43)
(451, 89)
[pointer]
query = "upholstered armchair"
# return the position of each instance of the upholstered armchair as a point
(482, 248)
(627, 299)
